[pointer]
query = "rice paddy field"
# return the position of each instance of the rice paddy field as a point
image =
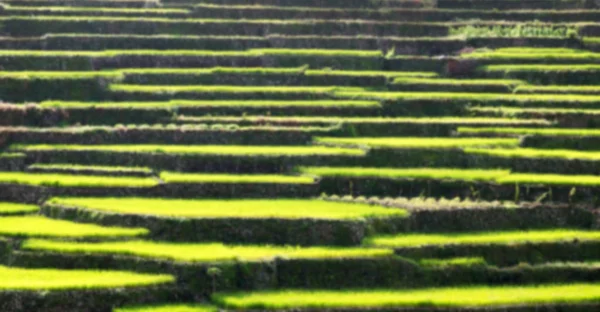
(287, 155)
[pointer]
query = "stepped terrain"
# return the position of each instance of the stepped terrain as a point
(299, 155)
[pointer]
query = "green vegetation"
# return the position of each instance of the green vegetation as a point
(37, 226)
(33, 9)
(558, 89)
(234, 150)
(544, 68)
(242, 208)
(229, 103)
(54, 75)
(63, 180)
(481, 296)
(535, 153)
(207, 252)
(14, 208)
(513, 31)
(445, 120)
(436, 263)
(407, 173)
(176, 177)
(419, 142)
(228, 89)
(21, 279)
(534, 111)
(458, 82)
(169, 308)
(75, 167)
(485, 238)
(491, 176)
(534, 55)
(475, 97)
(524, 131)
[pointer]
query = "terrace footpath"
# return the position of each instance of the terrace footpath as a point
(299, 155)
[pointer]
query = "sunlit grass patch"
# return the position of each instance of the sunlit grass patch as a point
(238, 209)
(483, 238)
(407, 173)
(217, 103)
(15, 208)
(176, 177)
(524, 131)
(481, 296)
(169, 308)
(20, 279)
(76, 167)
(37, 226)
(64, 180)
(419, 142)
(203, 252)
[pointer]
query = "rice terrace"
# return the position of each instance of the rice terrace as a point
(299, 155)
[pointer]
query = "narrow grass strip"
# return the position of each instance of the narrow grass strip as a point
(15, 208)
(558, 89)
(458, 82)
(21, 279)
(37, 226)
(452, 262)
(525, 131)
(59, 75)
(66, 9)
(475, 97)
(237, 209)
(535, 153)
(419, 142)
(64, 180)
(206, 252)
(169, 308)
(75, 167)
(482, 296)
(407, 173)
(230, 150)
(218, 103)
(534, 111)
(550, 179)
(446, 120)
(540, 68)
(177, 177)
(483, 238)
(134, 88)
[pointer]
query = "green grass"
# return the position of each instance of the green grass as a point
(559, 89)
(242, 208)
(37, 226)
(22, 279)
(476, 97)
(445, 120)
(203, 252)
(131, 88)
(407, 240)
(169, 308)
(176, 177)
(466, 261)
(474, 296)
(407, 173)
(534, 111)
(508, 68)
(14, 208)
(114, 53)
(233, 150)
(419, 142)
(525, 131)
(12, 155)
(33, 9)
(458, 82)
(229, 103)
(75, 167)
(55, 75)
(535, 153)
(64, 180)
(550, 179)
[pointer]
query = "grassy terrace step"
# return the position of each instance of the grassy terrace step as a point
(515, 246)
(492, 131)
(192, 178)
(454, 85)
(574, 74)
(373, 126)
(62, 180)
(202, 253)
(441, 298)
(76, 290)
(39, 25)
(37, 226)
(419, 142)
(485, 99)
(91, 170)
(135, 58)
(533, 56)
(16, 209)
(303, 222)
(487, 184)
(132, 92)
(319, 3)
(95, 3)
(16, 10)
(565, 117)
(557, 89)
(558, 138)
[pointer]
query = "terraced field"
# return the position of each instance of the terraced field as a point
(299, 155)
